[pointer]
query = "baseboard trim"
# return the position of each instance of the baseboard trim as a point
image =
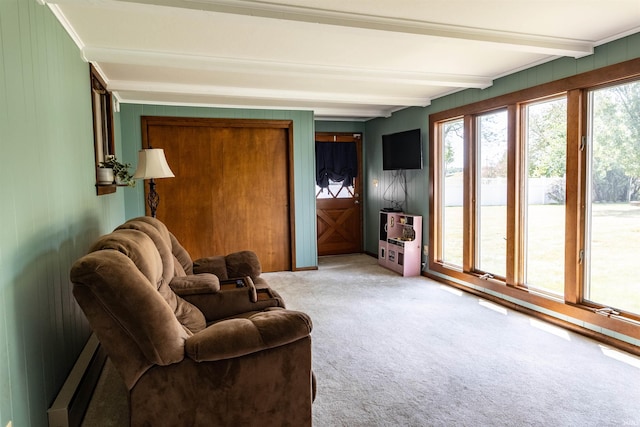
(73, 399)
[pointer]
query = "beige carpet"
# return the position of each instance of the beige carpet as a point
(393, 351)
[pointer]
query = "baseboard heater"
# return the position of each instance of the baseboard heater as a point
(73, 399)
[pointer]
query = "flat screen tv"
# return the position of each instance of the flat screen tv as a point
(402, 150)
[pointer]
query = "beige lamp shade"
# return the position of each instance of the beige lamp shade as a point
(152, 164)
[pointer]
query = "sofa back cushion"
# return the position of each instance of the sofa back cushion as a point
(182, 260)
(181, 255)
(161, 241)
(153, 258)
(124, 307)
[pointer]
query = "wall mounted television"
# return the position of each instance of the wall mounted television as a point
(402, 150)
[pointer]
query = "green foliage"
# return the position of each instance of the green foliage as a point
(616, 143)
(120, 170)
(453, 136)
(492, 149)
(547, 139)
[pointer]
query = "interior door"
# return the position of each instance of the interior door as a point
(338, 207)
(232, 186)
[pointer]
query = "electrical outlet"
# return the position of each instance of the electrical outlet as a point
(426, 250)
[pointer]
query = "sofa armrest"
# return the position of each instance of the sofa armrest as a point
(243, 263)
(238, 337)
(214, 264)
(192, 284)
(234, 298)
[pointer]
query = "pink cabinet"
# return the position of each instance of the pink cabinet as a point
(400, 241)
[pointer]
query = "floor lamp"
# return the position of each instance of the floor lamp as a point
(151, 165)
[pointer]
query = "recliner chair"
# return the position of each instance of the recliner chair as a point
(229, 270)
(180, 366)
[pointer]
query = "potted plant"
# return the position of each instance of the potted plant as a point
(104, 174)
(121, 173)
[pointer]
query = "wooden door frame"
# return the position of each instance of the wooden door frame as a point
(333, 137)
(147, 121)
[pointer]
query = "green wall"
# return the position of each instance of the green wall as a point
(417, 180)
(50, 212)
(415, 117)
(339, 126)
(303, 151)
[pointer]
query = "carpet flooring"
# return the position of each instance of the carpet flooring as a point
(394, 351)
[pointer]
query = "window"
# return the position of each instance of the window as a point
(545, 140)
(452, 133)
(535, 195)
(613, 235)
(491, 193)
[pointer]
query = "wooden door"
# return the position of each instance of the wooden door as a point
(339, 209)
(232, 186)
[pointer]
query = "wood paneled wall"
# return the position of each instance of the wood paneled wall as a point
(49, 211)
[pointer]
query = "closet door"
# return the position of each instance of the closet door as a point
(232, 186)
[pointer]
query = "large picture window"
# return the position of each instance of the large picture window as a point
(613, 233)
(536, 195)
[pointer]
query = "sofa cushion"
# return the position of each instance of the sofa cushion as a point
(214, 264)
(194, 284)
(138, 247)
(241, 336)
(181, 255)
(143, 251)
(133, 302)
(161, 241)
(242, 264)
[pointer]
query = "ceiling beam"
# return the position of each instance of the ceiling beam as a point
(553, 46)
(327, 113)
(287, 69)
(265, 94)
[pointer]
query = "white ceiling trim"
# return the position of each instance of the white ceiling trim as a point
(265, 94)
(515, 41)
(324, 113)
(193, 62)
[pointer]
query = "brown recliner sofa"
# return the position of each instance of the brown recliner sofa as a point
(236, 273)
(184, 364)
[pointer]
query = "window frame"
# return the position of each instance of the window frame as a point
(103, 139)
(572, 304)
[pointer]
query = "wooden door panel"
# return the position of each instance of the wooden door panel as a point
(231, 190)
(256, 172)
(188, 201)
(339, 220)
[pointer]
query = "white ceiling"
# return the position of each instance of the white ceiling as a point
(344, 59)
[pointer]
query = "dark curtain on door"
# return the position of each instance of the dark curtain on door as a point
(337, 162)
